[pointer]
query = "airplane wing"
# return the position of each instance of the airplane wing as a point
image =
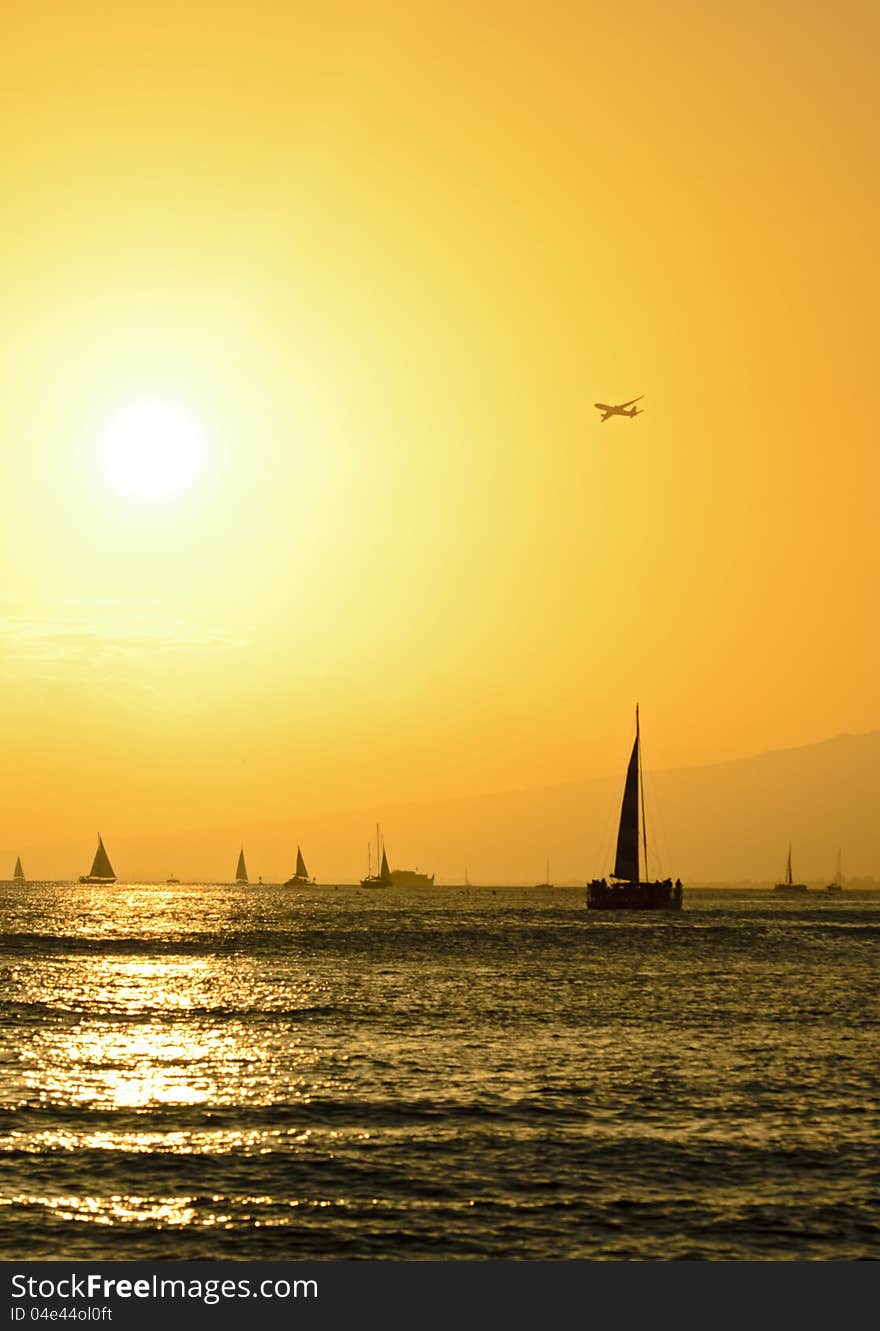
(631, 401)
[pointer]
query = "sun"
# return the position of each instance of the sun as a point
(152, 449)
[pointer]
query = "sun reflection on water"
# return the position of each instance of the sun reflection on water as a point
(213, 1062)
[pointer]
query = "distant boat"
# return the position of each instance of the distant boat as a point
(383, 877)
(789, 888)
(102, 869)
(240, 870)
(301, 874)
(627, 891)
(171, 881)
(18, 875)
(546, 882)
(411, 878)
(836, 884)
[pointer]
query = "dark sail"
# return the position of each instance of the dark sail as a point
(241, 871)
(626, 865)
(384, 872)
(102, 868)
(301, 870)
(18, 876)
(629, 888)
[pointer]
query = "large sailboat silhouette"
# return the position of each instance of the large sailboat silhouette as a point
(102, 869)
(627, 891)
(240, 870)
(18, 876)
(383, 877)
(790, 888)
(301, 874)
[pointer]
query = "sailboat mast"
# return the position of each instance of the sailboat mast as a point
(642, 791)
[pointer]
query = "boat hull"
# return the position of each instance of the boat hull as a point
(93, 878)
(298, 882)
(663, 895)
(790, 889)
(375, 882)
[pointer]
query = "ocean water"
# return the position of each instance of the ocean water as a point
(252, 1072)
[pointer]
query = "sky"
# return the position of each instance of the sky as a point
(386, 257)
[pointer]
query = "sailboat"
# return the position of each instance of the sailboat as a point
(240, 870)
(789, 888)
(836, 884)
(301, 874)
(383, 877)
(546, 882)
(18, 876)
(102, 869)
(627, 890)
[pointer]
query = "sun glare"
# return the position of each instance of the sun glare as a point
(152, 449)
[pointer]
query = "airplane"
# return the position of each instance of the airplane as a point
(620, 410)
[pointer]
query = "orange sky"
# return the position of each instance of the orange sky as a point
(389, 255)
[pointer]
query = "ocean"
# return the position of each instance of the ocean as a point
(214, 1071)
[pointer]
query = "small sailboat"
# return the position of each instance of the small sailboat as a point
(546, 882)
(836, 884)
(627, 890)
(171, 881)
(301, 874)
(18, 875)
(383, 877)
(240, 870)
(102, 869)
(789, 888)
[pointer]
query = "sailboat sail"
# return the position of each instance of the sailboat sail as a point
(629, 890)
(382, 877)
(788, 877)
(241, 871)
(101, 866)
(301, 870)
(18, 876)
(626, 864)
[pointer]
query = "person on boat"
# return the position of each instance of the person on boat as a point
(678, 889)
